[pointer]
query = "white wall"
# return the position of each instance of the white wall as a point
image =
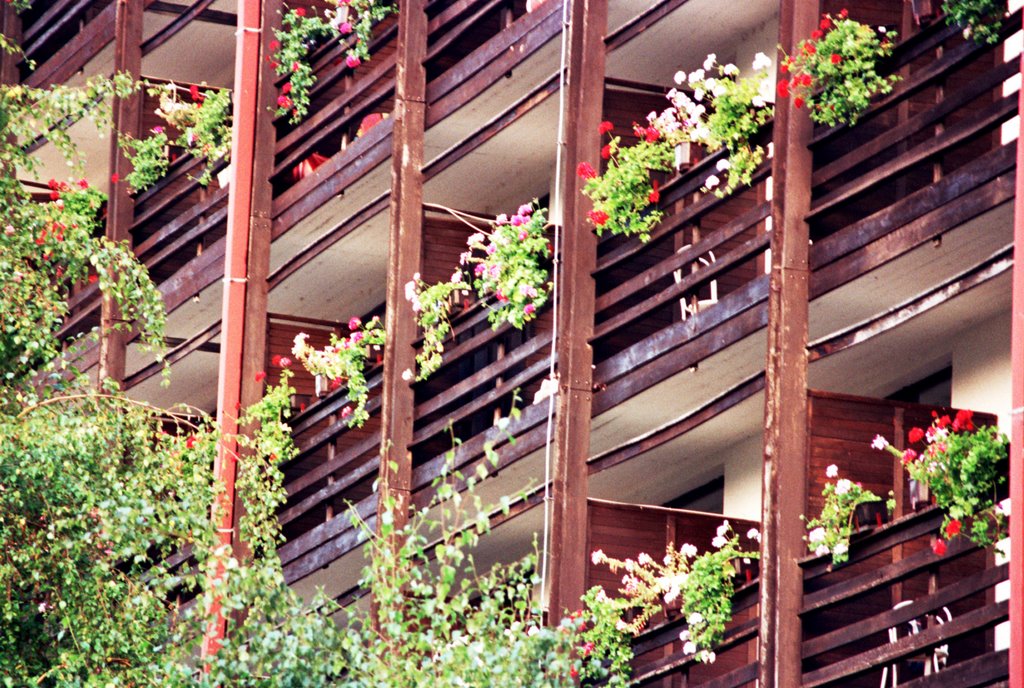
(743, 464)
(981, 369)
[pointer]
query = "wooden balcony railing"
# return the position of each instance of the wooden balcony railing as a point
(895, 606)
(702, 269)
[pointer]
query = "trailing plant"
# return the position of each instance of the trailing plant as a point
(721, 111)
(509, 266)
(203, 123)
(981, 20)
(624, 196)
(351, 21)
(344, 362)
(702, 584)
(835, 71)
(960, 464)
(830, 531)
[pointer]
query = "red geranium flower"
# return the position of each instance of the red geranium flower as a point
(606, 152)
(346, 412)
(843, 14)
(115, 178)
(908, 456)
(276, 361)
(284, 102)
(953, 528)
(939, 547)
(836, 58)
(782, 88)
(651, 134)
(798, 102)
(300, 12)
(274, 45)
(809, 48)
(825, 24)
(93, 279)
(261, 376)
(586, 170)
(915, 435)
(287, 88)
(605, 127)
(816, 34)
(598, 217)
(655, 194)
(191, 441)
(197, 97)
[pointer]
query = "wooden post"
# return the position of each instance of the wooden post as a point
(578, 252)
(786, 408)
(1017, 422)
(127, 119)
(236, 276)
(10, 26)
(405, 248)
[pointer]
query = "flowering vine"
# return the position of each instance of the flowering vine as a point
(205, 131)
(960, 464)
(702, 584)
(625, 197)
(351, 21)
(830, 532)
(344, 362)
(508, 264)
(835, 71)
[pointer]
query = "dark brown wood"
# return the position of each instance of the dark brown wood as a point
(954, 592)
(641, 445)
(786, 418)
(977, 671)
(175, 26)
(73, 56)
(209, 16)
(975, 620)
(405, 246)
(126, 119)
(584, 89)
(10, 26)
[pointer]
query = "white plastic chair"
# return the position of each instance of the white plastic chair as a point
(940, 654)
(685, 307)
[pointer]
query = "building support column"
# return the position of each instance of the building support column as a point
(10, 27)
(785, 432)
(405, 250)
(584, 97)
(126, 119)
(1017, 419)
(236, 276)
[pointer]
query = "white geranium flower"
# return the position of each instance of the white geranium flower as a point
(718, 542)
(710, 61)
(879, 442)
(712, 181)
(688, 550)
(761, 61)
(723, 165)
(757, 101)
(689, 648)
(597, 557)
(694, 618)
(832, 471)
(730, 69)
(722, 529)
(680, 77)
(843, 486)
(821, 551)
(816, 535)
(695, 76)
(753, 534)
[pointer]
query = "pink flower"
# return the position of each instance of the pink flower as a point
(529, 308)
(158, 130)
(354, 323)
(345, 28)
(346, 412)
(523, 234)
(352, 62)
(525, 210)
(284, 102)
(516, 220)
(908, 457)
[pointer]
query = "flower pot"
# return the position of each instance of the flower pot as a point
(919, 495)
(686, 155)
(224, 177)
(870, 515)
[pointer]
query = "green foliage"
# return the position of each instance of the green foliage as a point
(961, 465)
(46, 247)
(301, 33)
(509, 266)
(625, 197)
(205, 132)
(703, 584)
(835, 71)
(830, 532)
(344, 362)
(725, 111)
(981, 19)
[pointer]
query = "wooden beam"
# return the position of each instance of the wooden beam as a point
(584, 89)
(126, 119)
(786, 408)
(209, 16)
(405, 248)
(177, 24)
(10, 26)
(236, 277)
(1017, 417)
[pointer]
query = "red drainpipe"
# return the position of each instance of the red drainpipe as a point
(1017, 420)
(229, 385)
